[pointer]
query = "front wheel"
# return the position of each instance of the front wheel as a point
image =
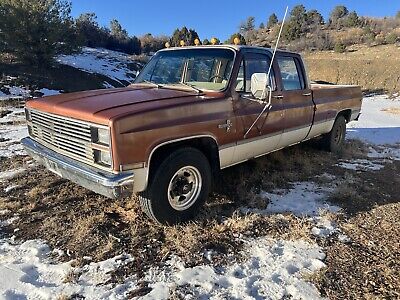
(179, 187)
(334, 140)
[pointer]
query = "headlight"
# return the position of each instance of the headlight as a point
(101, 135)
(103, 157)
(28, 114)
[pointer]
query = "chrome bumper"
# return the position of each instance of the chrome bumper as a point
(101, 182)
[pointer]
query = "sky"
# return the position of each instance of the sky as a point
(211, 18)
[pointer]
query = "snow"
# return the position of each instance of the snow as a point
(14, 92)
(10, 136)
(271, 269)
(304, 199)
(7, 175)
(47, 92)
(29, 271)
(361, 164)
(14, 115)
(375, 125)
(101, 61)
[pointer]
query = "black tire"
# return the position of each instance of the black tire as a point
(166, 185)
(334, 140)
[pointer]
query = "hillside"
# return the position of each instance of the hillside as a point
(373, 68)
(92, 68)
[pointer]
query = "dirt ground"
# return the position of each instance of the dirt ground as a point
(84, 224)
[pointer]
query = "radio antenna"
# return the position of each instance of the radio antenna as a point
(268, 87)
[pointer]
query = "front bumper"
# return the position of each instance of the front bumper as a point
(101, 182)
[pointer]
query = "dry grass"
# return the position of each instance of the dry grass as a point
(368, 267)
(373, 68)
(85, 224)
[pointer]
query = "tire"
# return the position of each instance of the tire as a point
(179, 187)
(334, 140)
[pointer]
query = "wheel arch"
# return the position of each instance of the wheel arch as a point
(346, 113)
(207, 144)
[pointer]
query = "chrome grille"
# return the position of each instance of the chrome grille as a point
(67, 136)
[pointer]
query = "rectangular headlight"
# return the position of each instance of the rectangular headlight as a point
(103, 157)
(101, 135)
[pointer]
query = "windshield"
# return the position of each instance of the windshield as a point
(204, 69)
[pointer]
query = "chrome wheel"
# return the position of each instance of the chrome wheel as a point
(184, 188)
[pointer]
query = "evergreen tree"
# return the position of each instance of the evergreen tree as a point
(262, 26)
(337, 15)
(352, 20)
(206, 42)
(35, 31)
(247, 25)
(184, 34)
(272, 20)
(89, 32)
(398, 15)
(313, 17)
(117, 31)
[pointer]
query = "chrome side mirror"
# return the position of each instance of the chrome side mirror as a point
(258, 85)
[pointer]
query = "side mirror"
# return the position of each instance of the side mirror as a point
(258, 85)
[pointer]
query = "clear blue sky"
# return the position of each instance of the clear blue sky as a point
(210, 18)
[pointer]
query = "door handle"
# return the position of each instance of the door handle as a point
(278, 97)
(306, 94)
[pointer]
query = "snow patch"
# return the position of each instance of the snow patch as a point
(101, 61)
(47, 92)
(10, 137)
(304, 199)
(361, 164)
(272, 269)
(378, 127)
(7, 175)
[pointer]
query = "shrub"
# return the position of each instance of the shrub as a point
(391, 38)
(340, 47)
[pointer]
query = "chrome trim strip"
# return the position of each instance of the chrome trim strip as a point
(101, 182)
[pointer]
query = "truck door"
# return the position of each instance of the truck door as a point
(264, 136)
(297, 100)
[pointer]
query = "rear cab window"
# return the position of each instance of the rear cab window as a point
(291, 72)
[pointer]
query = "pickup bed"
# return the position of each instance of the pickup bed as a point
(191, 112)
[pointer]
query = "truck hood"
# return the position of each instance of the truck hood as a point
(101, 106)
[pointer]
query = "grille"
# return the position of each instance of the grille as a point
(66, 136)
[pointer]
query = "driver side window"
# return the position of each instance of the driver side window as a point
(249, 66)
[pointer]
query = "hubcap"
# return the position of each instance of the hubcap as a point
(338, 135)
(184, 188)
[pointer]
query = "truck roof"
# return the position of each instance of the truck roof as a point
(228, 46)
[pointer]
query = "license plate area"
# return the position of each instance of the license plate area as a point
(53, 167)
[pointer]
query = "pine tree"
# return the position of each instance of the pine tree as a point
(272, 20)
(35, 31)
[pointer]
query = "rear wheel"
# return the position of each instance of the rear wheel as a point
(334, 140)
(178, 188)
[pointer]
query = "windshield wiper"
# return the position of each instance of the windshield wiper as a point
(199, 91)
(159, 86)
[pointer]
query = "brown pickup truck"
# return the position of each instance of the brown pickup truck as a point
(190, 112)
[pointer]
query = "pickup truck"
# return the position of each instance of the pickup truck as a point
(190, 112)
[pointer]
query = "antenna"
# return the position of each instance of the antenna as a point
(268, 87)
